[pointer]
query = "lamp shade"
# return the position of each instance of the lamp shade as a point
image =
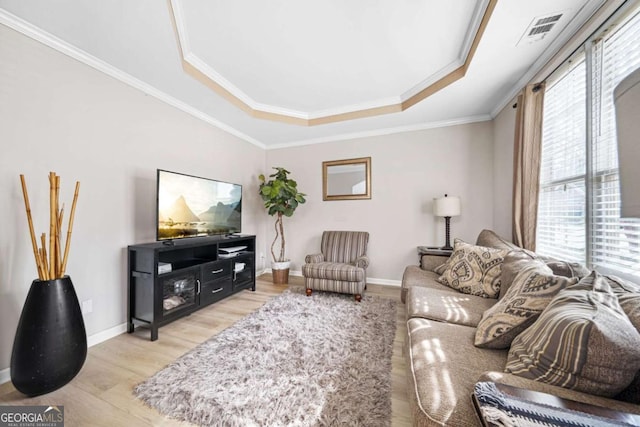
(627, 101)
(446, 206)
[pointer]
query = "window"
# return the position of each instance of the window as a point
(561, 206)
(579, 202)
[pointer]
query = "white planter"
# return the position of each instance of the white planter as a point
(280, 265)
(280, 272)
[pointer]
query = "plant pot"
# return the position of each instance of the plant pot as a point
(50, 346)
(280, 272)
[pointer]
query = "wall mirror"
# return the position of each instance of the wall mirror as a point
(348, 179)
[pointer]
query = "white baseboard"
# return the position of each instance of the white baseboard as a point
(5, 374)
(384, 282)
(106, 334)
(370, 280)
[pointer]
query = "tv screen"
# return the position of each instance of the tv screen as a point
(190, 206)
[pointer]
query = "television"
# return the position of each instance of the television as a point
(191, 206)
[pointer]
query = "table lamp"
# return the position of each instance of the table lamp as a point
(447, 207)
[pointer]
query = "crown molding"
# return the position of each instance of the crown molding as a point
(384, 131)
(18, 24)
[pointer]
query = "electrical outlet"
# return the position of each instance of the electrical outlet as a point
(87, 306)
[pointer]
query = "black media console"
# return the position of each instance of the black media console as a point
(168, 281)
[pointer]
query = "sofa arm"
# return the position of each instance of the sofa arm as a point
(314, 258)
(431, 262)
(362, 262)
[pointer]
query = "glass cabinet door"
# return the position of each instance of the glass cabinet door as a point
(242, 271)
(179, 290)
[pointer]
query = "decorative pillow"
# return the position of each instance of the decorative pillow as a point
(629, 298)
(531, 291)
(581, 341)
(514, 262)
(474, 270)
(565, 268)
(489, 239)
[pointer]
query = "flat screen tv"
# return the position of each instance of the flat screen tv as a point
(190, 206)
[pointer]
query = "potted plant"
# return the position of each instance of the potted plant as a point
(281, 198)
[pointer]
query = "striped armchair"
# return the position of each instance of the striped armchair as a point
(341, 266)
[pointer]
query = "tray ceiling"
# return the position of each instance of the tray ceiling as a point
(293, 72)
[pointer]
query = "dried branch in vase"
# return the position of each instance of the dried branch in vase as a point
(51, 264)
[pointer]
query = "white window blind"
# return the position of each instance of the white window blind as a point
(561, 207)
(579, 205)
(615, 242)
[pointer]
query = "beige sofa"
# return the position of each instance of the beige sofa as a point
(442, 361)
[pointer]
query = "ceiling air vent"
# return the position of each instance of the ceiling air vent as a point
(540, 27)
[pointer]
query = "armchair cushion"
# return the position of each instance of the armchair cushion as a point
(333, 271)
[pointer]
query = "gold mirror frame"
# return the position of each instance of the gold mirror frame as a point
(344, 165)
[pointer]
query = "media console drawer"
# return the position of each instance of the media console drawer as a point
(216, 270)
(215, 291)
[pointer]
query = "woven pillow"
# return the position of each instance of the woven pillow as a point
(581, 341)
(531, 291)
(474, 270)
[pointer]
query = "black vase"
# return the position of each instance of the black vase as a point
(51, 342)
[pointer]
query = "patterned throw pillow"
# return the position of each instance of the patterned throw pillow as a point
(581, 341)
(530, 292)
(474, 270)
(516, 260)
(514, 263)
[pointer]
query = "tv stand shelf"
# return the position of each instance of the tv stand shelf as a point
(198, 276)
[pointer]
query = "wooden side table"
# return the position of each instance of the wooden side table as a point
(432, 250)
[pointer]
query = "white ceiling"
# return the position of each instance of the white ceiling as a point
(307, 59)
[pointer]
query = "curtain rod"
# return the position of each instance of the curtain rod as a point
(535, 89)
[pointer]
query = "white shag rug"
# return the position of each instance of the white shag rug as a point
(323, 360)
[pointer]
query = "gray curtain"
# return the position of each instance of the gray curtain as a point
(526, 165)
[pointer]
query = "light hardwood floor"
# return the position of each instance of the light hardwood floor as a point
(101, 394)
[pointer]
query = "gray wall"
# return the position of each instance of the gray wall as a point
(408, 170)
(59, 115)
